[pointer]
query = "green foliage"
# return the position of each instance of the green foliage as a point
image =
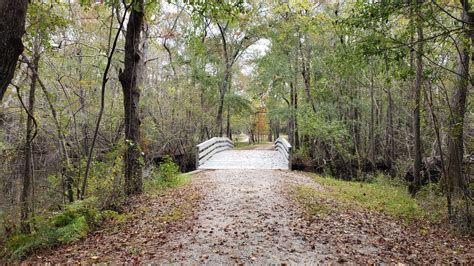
(327, 131)
(19, 245)
(243, 145)
(218, 9)
(168, 170)
(106, 170)
(81, 208)
(45, 19)
(238, 104)
(73, 231)
(71, 224)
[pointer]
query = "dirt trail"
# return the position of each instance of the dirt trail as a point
(251, 216)
(245, 218)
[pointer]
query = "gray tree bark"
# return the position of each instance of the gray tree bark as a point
(129, 79)
(12, 28)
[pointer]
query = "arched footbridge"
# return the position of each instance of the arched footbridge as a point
(219, 153)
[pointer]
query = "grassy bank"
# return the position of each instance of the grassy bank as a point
(384, 195)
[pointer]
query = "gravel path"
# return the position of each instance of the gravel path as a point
(245, 218)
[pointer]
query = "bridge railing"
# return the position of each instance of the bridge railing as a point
(210, 147)
(284, 147)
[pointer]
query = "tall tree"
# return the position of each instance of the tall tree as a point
(12, 28)
(306, 69)
(233, 45)
(458, 104)
(129, 79)
(417, 96)
(28, 174)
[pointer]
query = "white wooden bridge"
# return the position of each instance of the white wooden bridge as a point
(219, 153)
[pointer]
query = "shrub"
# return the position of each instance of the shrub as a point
(168, 170)
(166, 176)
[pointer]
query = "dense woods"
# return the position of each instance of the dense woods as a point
(98, 93)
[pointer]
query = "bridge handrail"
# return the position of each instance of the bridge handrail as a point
(208, 148)
(284, 147)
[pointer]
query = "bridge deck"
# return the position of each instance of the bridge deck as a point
(259, 158)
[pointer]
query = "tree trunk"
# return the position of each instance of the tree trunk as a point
(305, 72)
(12, 28)
(129, 80)
(356, 129)
(61, 136)
(28, 180)
(225, 81)
(82, 101)
(436, 128)
(372, 121)
(228, 130)
(291, 122)
(270, 131)
(455, 152)
(295, 119)
(416, 112)
(295, 106)
(390, 132)
(222, 91)
(277, 129)
(390, 140)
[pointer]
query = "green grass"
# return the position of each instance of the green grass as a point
(384, 195)
(242, 145)
(311, 199)
(246, 145)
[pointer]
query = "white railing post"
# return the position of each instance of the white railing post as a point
(284, 147)
(197, 157)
